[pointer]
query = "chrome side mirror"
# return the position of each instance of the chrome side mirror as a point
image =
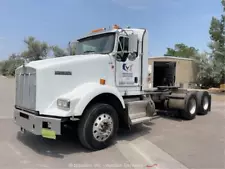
(133, 42)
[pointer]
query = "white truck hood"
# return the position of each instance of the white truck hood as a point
(42, 64)
(72, 72)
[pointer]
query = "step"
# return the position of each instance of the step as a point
(133, 99)
(151, 89)
(137, 102)
(137, 106)
(140, 120)
(137, 115)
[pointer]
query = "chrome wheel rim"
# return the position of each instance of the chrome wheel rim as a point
(192, 106)
(205, 103)
(102, 127)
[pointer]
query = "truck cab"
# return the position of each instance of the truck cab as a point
(127, 50)
(104, 86)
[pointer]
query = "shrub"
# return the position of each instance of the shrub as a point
(8, 67)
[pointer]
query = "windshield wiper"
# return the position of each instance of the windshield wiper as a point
(89, 51)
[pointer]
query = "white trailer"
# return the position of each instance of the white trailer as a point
(103, 87)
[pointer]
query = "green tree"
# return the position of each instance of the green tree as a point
(182, 50)
(58, 52)
(9, 66)
(36, 50)
(14, 56)
(217, 46)
(1, 66)
(206, 74)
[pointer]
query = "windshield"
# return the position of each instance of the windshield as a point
(102, 44)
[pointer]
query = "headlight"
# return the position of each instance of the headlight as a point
(63, 103)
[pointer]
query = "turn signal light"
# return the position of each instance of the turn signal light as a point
(116, 27)
(98, 30)
(102, 81)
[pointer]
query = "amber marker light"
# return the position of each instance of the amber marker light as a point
(102, 81)
(98, 30)
(116, 27)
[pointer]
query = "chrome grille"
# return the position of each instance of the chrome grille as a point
(26, 88)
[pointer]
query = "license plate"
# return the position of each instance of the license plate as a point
(47, 133)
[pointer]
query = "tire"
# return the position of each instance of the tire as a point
(204, 102)
(190, 107)
(89, 130)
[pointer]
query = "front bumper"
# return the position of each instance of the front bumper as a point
(35, 124)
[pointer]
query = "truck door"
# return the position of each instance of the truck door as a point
(128, 71)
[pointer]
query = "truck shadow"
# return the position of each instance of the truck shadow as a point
(144, 129)
(69, 144)
(170, 115)
(136, 131)
(58, 148)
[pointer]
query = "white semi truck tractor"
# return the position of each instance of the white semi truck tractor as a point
(104, 86)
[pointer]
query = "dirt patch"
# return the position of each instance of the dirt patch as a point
(218, 97)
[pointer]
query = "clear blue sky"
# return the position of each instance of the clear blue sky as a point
(58, 21)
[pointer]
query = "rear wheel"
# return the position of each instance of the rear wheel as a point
(98, 127)
(204, 103)
(190, 107)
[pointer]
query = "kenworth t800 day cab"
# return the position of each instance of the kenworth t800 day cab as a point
(104, 86)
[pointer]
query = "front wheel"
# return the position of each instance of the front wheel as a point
(98, 127)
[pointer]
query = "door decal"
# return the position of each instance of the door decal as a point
(127, 67)
(126, 71)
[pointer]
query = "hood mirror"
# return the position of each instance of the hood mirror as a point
(132, 56)
(71, 47)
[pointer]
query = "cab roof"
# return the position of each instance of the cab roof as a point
(98, 33)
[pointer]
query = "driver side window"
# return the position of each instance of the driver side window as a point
(124, 52)
(123, 44)
(122, 49)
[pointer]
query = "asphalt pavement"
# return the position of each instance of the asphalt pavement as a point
(165, 143)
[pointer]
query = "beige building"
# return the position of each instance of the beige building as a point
(180, 71)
